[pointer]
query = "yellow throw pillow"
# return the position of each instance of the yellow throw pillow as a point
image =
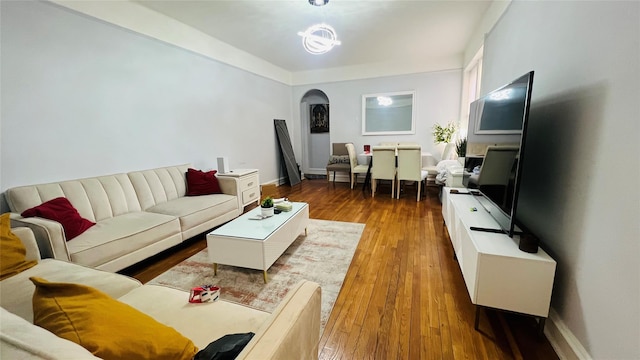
(107, 327)
(12, 251)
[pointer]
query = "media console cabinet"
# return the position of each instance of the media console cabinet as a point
(497, 274)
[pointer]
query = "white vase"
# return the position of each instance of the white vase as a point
(266, 212)
(461, 160)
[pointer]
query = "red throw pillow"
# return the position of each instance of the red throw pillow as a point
(202, 183)
(61, 210)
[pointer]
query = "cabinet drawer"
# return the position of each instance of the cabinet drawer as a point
(250, 195)
(249, 182)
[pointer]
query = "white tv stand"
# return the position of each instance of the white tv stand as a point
(497, 274)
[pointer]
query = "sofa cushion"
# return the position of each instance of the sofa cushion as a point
(12, 252)
(107, 327)
(156, 186)
(175, 310)
(115, 237)
(16, 289)
(195, 210)
(202, 183)
(21, 339)
(95, 198)
(61, 210)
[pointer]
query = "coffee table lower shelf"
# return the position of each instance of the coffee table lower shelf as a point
(256, 244)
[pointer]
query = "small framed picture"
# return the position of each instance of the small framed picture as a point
(319, 118)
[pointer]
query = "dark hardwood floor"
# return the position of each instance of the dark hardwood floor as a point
(404, 296)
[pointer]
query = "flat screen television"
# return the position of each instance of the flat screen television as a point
(498, 123)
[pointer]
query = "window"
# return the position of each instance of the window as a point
(471, 89)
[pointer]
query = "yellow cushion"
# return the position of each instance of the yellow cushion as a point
(12, 251)
(107, 327)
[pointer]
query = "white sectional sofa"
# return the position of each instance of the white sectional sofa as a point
(292, 331)
(137, 215)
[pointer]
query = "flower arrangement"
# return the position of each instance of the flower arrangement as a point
(443, 134)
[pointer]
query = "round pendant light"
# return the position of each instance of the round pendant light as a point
(318, 2)
(319, 39)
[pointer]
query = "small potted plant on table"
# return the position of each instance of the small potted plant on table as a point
(266, 207)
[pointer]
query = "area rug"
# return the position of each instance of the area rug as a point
(322, 256)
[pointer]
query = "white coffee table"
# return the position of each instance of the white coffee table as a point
(256, 244)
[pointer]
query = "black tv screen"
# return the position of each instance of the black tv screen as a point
(497, 129)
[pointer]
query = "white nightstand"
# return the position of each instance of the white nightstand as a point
(248, 184)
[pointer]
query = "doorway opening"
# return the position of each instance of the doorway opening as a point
(316, 125)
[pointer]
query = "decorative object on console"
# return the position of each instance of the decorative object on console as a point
(267, 206)
(61, 210)
(528, 243)
(202, 183)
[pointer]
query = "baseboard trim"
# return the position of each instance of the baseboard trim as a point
(566, 345)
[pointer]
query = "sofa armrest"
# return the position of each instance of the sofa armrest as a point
(293, 330)
(228, 185)
(49, 235)
(29, 241)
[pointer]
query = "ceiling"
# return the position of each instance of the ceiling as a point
(383, 31)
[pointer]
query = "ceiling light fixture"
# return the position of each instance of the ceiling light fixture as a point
(384, 101)
(318, 2)
(319, 39)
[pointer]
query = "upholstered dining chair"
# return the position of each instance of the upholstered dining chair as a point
(339, 160)
(384, 167)
(410, 167)
(355, 167)
(496, 170)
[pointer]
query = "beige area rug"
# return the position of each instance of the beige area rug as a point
(323, 256)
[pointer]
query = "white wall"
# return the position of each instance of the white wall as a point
(437, 101)
(82, 98)
(581, 170)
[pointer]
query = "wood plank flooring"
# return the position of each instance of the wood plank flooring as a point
(403, 296)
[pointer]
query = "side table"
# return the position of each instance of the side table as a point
(248, 184)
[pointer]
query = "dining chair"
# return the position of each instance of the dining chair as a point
(355, 167)
(384, 167)
(410, 167)
(339, 160)
(496, 170)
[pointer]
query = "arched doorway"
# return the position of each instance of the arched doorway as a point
(316, 124)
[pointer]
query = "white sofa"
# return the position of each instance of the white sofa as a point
(292, 331)
(137, 215)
